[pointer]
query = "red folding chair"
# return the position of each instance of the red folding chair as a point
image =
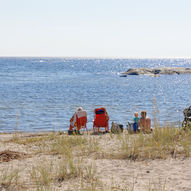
(101, 120)
(81, 120)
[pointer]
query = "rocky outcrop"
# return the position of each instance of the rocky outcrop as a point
(157, 71)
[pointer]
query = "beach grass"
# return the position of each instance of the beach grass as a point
(71, 160)
(160, 144)
(8, 178)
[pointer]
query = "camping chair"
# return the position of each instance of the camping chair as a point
(81, 120)
(100, 120)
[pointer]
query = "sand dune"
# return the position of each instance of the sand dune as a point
(115, 174)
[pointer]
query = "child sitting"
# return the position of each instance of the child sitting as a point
(136, 122)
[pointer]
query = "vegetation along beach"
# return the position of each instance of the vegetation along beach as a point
(57, 161)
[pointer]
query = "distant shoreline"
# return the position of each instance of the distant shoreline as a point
(157, 71)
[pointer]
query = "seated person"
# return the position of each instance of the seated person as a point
(72, 124)
(78, 120)
(107, 119)
(145, 123)
(101, 119)
(136, 122)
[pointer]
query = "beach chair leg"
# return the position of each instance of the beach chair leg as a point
(94, 129)
(85, 129)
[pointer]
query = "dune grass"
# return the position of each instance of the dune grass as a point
(55, 143)
(160, 144)
(73, 152)
(8, 178)
(48, 174)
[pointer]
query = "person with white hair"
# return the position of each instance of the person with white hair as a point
(78, 120)
(79, 109)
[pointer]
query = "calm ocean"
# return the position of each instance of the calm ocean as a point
(42, 93)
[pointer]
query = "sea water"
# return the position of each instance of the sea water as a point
(40, 94)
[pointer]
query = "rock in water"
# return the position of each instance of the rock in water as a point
(157, 71)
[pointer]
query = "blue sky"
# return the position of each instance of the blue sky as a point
(95, 28)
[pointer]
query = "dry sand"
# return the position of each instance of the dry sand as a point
(169, 174)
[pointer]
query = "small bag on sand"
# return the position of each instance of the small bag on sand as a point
(187, 112)
(186, 124)
(116, 128)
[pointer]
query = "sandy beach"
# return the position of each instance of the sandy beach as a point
(56, 161)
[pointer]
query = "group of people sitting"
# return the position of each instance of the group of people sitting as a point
(142, 124)
(101, 120)
(79, 120)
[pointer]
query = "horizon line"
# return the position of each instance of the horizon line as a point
(97, 57)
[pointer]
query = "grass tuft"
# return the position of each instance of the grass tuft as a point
(162, 143)
(8, 179)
